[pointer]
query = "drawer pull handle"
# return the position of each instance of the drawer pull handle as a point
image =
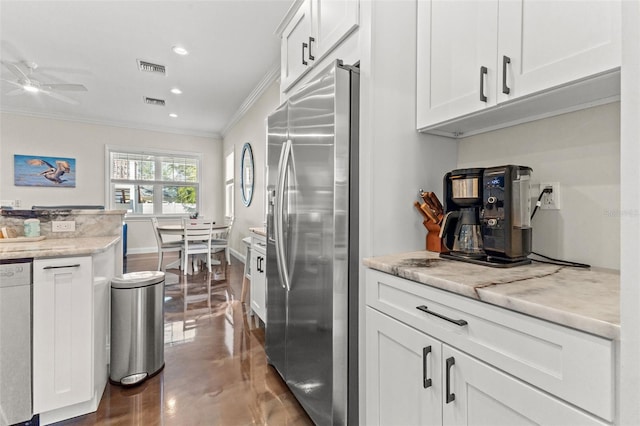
(459, 322)
(450, 396)
(426, 382)
(77, 265)
(483, 73)
(505, 60)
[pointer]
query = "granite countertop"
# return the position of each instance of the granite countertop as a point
(584, 299)
(260, 231)
(56, 247)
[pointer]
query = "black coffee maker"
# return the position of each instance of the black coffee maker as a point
(487, 215)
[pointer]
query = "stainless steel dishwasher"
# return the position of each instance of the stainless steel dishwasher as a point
(15, 341)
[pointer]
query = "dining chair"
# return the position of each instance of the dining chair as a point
(164, 246)
(197, 240)
(220, 240)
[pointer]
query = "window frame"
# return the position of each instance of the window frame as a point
(229, 184)
(157, 155)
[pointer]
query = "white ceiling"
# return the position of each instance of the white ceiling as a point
(232, 49)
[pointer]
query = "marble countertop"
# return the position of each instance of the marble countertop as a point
(584, 299)
(56, 247)
(260, 231)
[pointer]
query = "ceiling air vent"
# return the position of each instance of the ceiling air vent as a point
(151, 67)
(153, 101)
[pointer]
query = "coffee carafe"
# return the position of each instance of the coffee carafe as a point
(461, 230)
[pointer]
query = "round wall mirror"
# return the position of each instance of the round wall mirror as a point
(246, 174)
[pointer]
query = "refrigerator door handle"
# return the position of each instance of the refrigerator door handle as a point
(279, 214)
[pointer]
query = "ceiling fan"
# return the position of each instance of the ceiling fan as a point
(25, 83)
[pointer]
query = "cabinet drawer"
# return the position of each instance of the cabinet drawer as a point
(575, 366)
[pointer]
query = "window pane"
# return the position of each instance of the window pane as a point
(133, 167)
(122, 197)
(228, 202)
(179, 199)
(134, 198)
(228, 170)
(179, 169)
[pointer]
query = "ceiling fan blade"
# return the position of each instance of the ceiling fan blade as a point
(15, 92)
(16, 70)
(60, 97)
(67, 87)
(14, 83)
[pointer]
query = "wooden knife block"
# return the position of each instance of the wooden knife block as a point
(433, 241)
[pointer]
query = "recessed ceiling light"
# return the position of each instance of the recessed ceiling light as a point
(180, 50)
(172, 115)
(176, 91)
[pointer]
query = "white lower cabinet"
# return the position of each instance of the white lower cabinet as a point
(71, 297)
(62, 332)
(478, 394)
(403, 375)
(432, 359)
(258, 276)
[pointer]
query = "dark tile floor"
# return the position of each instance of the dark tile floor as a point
(215, 366)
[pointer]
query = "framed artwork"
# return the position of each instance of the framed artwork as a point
(38, 170)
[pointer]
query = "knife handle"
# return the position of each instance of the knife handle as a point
(424, 215)
(434, 199)
(432, 216)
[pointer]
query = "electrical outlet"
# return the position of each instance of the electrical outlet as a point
(63, 225)
(550, 201)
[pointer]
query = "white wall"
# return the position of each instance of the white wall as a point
(396, 160)
(86, 143)
(252, 128)
(581, 151)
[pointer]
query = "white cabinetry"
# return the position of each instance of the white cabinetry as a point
(71, 333)
(316, 28)
(474, 55)
(425, 345)
(258, 274)
(62, 332)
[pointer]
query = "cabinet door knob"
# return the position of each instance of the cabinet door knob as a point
(483, 73)
(304, 46)
(311, 57)
(505, 60)
(450, 396)
(426, 381)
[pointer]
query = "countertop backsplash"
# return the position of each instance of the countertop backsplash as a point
(581, 151)
(88, 223)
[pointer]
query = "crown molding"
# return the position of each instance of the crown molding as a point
(272, 75)
(209, 135)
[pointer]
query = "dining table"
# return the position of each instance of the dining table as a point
(174, 229)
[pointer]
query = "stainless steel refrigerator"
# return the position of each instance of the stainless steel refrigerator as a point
(312, 244)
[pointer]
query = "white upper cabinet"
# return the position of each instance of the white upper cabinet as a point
(456, 58)
(552, 43)
(294, 45)
(335, 20)
(314, 30)
(473, 56)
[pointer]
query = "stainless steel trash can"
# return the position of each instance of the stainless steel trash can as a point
(137, 327)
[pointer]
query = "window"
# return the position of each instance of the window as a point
(228, 180)
(154, 183)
